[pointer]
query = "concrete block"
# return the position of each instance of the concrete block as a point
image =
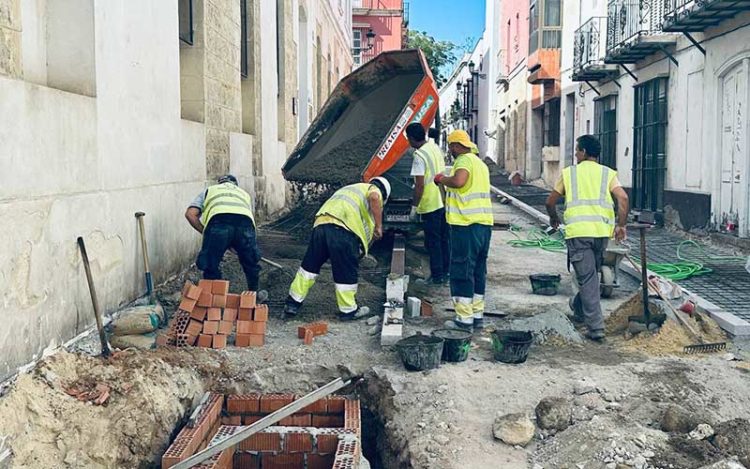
(413, 306)
(393, 328)
(395, 288)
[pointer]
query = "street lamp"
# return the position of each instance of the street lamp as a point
(370, 37)
(473, 70)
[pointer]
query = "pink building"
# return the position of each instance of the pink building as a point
(378, 26)
(514, 33)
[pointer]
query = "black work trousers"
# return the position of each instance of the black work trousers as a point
(341, 246)
(224, 232)
(437, 242)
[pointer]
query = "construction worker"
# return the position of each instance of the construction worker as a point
(223, 215)
(344, 226)
(468, 209)
(590, 190)
(428, 202)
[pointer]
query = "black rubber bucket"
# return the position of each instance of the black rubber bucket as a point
(511, 346)
(457, 344)
(420, 352)
(544, 284)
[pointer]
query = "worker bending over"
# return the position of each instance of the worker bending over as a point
(469, 214)
(223, 214)
(589, 189)
(344, 225)
(428, 201)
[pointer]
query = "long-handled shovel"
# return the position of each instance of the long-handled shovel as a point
(149, 280)
(97, 313)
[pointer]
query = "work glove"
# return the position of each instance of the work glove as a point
(438, 178)
(413, 213)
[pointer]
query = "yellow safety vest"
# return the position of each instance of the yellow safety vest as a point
(434, 163)
(589, 207)
(351, 206)
(471, 204)
(226, 198)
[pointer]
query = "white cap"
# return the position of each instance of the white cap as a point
(386, 185)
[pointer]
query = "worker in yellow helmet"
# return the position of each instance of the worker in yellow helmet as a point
(223, 215)
(469, 214)
(590, 190)
(345, 225)
(428, 202)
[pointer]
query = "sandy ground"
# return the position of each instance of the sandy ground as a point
(437, 419)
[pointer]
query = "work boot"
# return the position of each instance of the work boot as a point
(261, 296)
(291, 307)
(430, 281)
(596, 335)
(360, 313)
(478, 324)
(453, 324)
(575, 306)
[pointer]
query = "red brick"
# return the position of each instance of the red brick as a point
(193, 292)
(261, 442)
(426, 308)
(205, 340)
(225, 327)
(194, 328)
(220, 341)
(251, 419)
(220, 287)
(326, 443)
(243, 403)
(187, 304)
(230, 314)
(205, 299)
(205, 284)
(261, 313)
(243, 327)
(328, 421)
(296, 420)
(162, 340)
(257, 340)
(198, 313)
(247, 299)
(320, 461)
(214, 314)
(219, 301)
(257, 328)
(318, 328)
(273, 402)
(298, 443)
(249, 461)
(233, 301)
(245, 314)
(211, 327)
(283, 461)
(308, 337)
(318, 407)
(336, 404)
(242, 340)
(192, 339)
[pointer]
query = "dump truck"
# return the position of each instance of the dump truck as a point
(360, 131)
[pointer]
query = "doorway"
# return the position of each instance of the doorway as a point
(650, 145)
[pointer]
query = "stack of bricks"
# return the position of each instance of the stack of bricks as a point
(208, 315)
(190, 440)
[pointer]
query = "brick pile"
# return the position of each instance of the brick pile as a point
(323, 435)
(209, 316)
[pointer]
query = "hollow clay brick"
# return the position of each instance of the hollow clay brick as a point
(273, 402)
(257, 328)
(261, 313)
(245, 314)
(247, 299)
(206, 285)
(242, 340)
(230, 314)
(211, 327)
(257, 340)
(243, 327)
(205, 340)
(187, 304)
(198, 313)
(214, 314)
(308, 337)
(233, 301)
(220, 287)
(298, 443)
(219, 301)
(205, 299)
(193, 292)
(220, 341)
(225, 327)
(318, 328)
(266, 442)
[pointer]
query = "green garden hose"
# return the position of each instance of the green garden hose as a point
(537, 238)
(686, 268)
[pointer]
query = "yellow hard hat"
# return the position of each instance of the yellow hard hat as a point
(460, 136)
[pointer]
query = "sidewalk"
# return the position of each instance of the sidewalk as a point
(725, 290)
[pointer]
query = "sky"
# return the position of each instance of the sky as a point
(448, 20)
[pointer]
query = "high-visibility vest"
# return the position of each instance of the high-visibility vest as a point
(471, 204)
(350, 206)
(434, 163)
(226, 198)
(589, 207)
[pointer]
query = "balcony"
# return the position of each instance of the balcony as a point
(635, 30)
(590, 48)
(377, 8)
(685, 16)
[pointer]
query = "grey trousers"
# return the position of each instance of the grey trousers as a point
(586, 256)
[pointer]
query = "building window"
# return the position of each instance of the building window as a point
(605, 122)
(551, 123)
(185, 13)
(650, 145)
(533, 27)
(243, 38)
(545, 31)
(357, 46)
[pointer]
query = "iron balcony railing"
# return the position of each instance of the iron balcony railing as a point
(628, 20)
(589, 45)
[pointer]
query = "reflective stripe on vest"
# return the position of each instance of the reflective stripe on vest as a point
(226, 199)
(431, 199)
(471, 204)
(351, 207)
(589, 207)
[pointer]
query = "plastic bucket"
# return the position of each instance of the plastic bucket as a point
(420, 352)
(544, 284)
(456, 346)
(511, 346)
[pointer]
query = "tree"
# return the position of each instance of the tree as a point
(439, 54)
